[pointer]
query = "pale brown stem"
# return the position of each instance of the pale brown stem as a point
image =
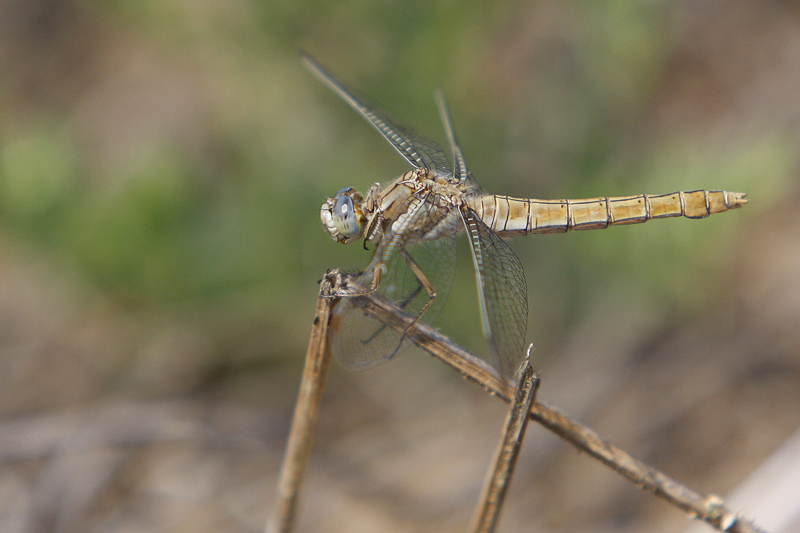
(306, 413)
(499, 478)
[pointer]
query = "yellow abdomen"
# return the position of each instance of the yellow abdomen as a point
(519, 216)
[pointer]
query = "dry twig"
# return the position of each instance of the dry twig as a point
(306, 411)
(499, 478)
(710, 509)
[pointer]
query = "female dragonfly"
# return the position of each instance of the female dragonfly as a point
(413, 222)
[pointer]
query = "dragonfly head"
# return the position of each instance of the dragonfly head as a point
(343, 217)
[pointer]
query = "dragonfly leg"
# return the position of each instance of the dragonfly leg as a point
(426, 284)
(377, 272)
(423, 283)
(420, 275)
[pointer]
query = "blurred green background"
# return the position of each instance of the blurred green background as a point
(162, 165)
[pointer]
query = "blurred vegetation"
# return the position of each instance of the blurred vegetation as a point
(171, 157)
(162, 166)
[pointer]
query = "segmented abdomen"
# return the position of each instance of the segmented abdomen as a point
(519, 216)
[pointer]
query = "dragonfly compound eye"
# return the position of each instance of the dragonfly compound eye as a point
(342, 216)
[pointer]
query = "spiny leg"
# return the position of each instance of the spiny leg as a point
(425, 283)
(403, 304)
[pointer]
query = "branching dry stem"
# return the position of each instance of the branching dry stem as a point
(710, 509)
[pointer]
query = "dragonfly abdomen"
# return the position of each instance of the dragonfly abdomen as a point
(519, 216)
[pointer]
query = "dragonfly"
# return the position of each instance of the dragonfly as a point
(413, 223)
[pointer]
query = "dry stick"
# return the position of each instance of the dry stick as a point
(711, 509)
(306, 412)
(496, 486)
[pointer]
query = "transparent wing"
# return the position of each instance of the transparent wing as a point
(419, 151)
(361, 342)
(502, 293)
(461, 171)
(502, 289)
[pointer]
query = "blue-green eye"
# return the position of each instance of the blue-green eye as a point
(346, 215)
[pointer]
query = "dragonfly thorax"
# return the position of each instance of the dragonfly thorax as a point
(348, 217)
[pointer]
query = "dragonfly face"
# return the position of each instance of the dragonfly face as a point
(343, 217)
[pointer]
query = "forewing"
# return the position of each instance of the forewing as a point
(418, 150)
(461, 172)
(502, 293)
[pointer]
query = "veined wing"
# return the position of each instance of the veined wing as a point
(360, 341)
(502, 293)
(502, 290)
(418, 150)
(461, 171)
